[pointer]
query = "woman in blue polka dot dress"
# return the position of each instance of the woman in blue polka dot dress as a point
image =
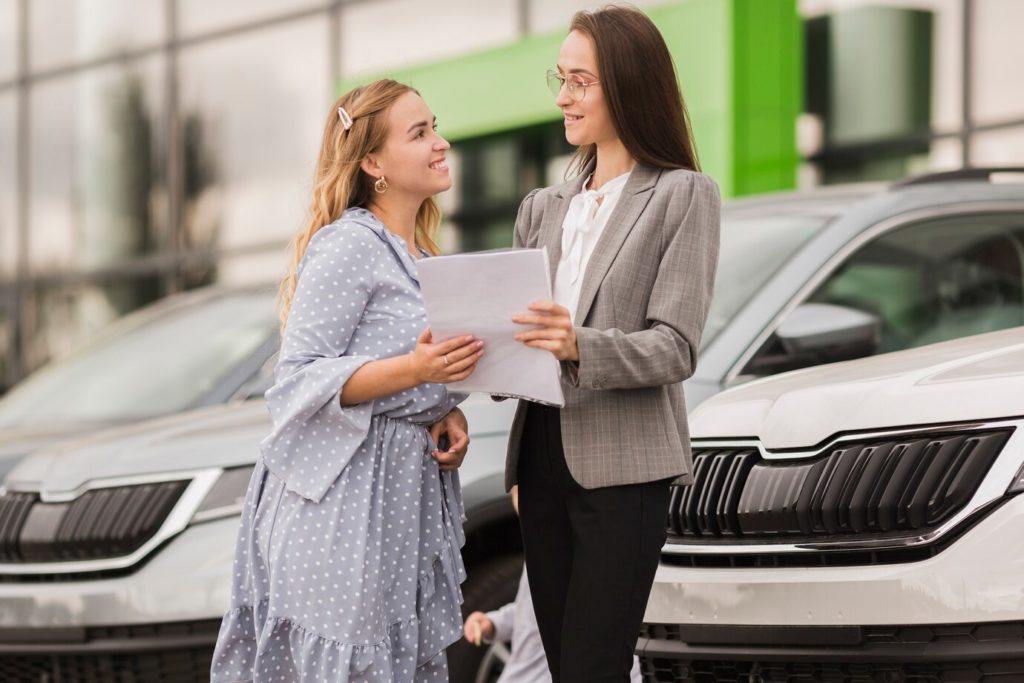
(348, 564)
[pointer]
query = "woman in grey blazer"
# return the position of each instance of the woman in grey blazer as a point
(633, 245)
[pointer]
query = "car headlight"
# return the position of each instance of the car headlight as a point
(226, 496)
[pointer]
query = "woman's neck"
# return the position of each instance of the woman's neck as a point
(398, 214)
(613, 159)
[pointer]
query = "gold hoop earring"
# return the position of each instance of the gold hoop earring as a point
(381, 186)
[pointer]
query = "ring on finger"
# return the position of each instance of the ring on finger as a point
(445, 356)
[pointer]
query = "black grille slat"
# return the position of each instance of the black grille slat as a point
(945, 479)
(675, 524)
(14, 509)
(158, 509)
(138, 523)
(100, 523)
(107, 504)
(818, 502)
(65, 541)
(688, 504)
(938, 468)
(864, 506)
(710, 494)
(914, 497)
(859, 462)
(805, 516)
(874, 487)
(728, 503)
(87, 534)
(967, 480)
(118, 508)
(909, 472)
(762, 508)
(839, 480)
(122, 530)
(35, 540)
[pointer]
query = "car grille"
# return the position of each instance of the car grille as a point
(671, 671)
(164, 653)
(981, 653)
(880, 488)
(101, 523)
(897, 634)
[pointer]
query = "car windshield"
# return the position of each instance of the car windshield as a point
(755, 244)
(151, 363)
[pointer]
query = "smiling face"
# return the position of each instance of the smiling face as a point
(588, 121)
(412, 158)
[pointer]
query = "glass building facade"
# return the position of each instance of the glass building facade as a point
(152, 147)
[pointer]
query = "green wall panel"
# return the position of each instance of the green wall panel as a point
(767, 94)
(739, 66)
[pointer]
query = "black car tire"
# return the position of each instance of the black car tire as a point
(488, 586)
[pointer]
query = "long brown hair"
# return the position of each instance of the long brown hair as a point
(339, 182)
(641, 88)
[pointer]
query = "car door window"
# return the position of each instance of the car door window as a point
(936, 280)
(927, 282)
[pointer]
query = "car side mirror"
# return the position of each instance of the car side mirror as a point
(814, 334)
(829, 329)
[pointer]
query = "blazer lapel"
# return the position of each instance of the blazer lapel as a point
(632, 201)
(551, 224)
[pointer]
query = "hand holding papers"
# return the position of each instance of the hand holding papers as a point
(478, 294)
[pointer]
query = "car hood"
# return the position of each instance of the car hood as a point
(973, 378)
(16, 443)
(222, 436)
(23, 440)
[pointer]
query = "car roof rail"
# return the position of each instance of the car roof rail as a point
(994, 174)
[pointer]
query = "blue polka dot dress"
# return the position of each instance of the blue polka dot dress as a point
(348, 564)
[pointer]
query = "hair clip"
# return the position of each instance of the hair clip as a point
(346, 120)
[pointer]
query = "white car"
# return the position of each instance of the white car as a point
(860, 521)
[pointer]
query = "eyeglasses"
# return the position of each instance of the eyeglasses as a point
(573, 82)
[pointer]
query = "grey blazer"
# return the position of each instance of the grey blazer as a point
(643, 302)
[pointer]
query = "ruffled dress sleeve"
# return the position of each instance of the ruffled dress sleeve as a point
(313, 435)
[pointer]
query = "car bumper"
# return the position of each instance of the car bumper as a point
(152, 624)
(188, 580)
(964, 607)
(157, 592)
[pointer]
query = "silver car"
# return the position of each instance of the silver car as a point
(116, 548)
(203, 348)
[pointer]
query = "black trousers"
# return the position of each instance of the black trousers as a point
(591, 556)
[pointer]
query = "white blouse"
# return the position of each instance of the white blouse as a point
(582, 227)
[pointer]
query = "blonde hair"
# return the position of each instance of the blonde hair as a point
(340, 183)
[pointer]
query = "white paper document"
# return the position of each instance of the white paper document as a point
(478, 294)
